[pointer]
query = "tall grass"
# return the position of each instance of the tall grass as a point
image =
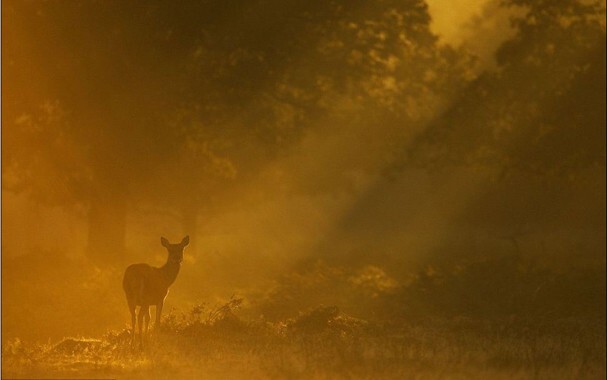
(490, 319)
(324, 343)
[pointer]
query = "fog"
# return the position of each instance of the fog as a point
(301, 146)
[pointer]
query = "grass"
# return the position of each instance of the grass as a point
(324, 343)
(523, 322)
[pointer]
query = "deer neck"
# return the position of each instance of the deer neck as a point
(170, 270)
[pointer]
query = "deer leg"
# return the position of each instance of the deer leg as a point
(146, 319)
(140, 322)
(158, 313)
(132, 310)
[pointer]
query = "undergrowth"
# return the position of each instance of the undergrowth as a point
(491, 319)
(321, 343)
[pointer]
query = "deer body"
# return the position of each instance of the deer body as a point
(146, 286)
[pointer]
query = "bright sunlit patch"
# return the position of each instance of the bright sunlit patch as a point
(450, 18)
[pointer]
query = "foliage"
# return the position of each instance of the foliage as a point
(464, 348)
(489, 318)
(506, 286)
(542, 111)
(167, 106)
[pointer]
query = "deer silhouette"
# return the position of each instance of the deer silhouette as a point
(146, 286)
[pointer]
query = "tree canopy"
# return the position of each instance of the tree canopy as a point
(114, 101)
(542, 111)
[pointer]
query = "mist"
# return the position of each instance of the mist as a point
(398, 160)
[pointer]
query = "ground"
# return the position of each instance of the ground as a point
(323, 343)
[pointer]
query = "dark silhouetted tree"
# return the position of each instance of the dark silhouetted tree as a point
(102, 96)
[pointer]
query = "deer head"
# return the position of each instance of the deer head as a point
(175, 250)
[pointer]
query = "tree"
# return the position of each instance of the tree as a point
(537, 123)
(101, 96)
(95, 77)
(542, 111)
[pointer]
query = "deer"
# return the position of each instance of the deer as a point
(145, 286)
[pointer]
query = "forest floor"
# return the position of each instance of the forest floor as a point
(322, 344)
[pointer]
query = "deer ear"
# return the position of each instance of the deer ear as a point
(164, 242)
(185, 241)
